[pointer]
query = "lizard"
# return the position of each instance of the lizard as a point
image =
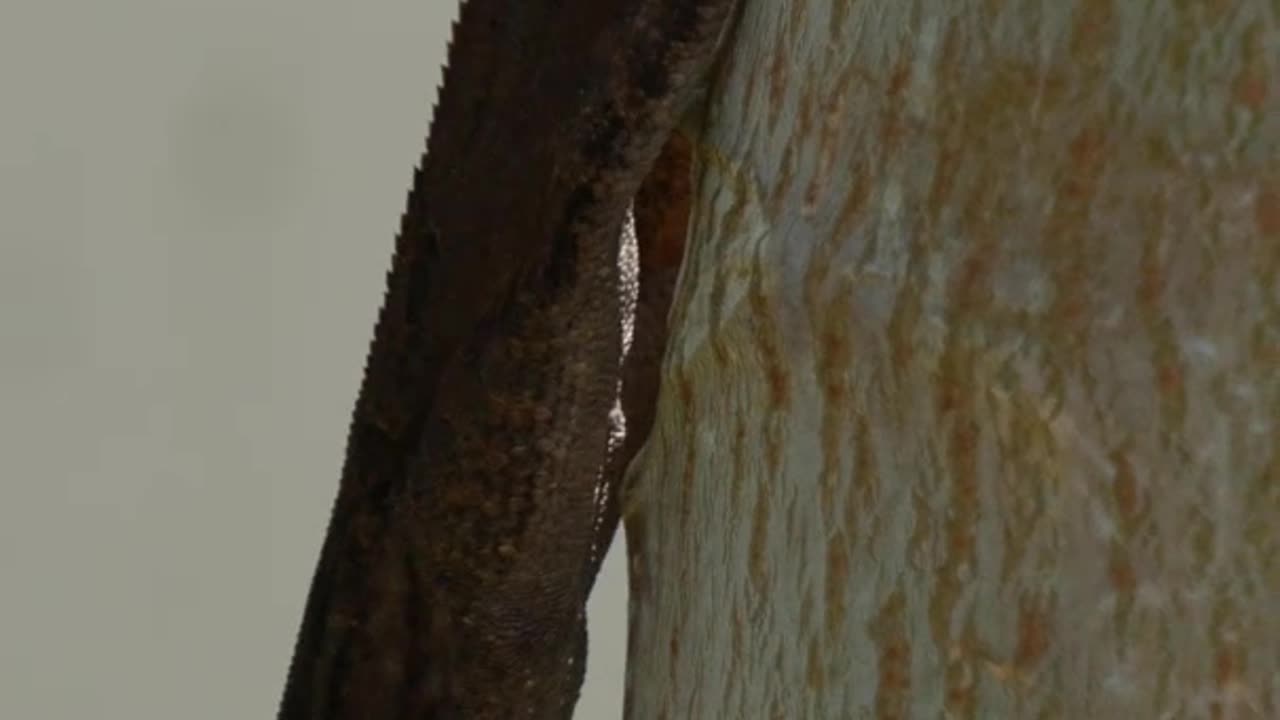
(480, 485)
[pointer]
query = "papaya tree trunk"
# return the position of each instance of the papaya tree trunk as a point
(971, 405)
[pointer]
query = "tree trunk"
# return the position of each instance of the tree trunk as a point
(971, 407)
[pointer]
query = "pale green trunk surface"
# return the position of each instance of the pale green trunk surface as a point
(972, 404)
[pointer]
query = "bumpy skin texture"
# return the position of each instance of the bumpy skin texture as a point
(661, 212)
(467, 529)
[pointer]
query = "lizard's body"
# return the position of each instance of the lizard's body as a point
(469, 523)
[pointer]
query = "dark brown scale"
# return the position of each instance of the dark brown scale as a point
(466, 532)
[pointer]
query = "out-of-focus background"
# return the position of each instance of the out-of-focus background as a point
(197, 205)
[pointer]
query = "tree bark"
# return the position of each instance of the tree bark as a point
(971, 406)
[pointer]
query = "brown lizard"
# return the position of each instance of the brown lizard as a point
(479, 490)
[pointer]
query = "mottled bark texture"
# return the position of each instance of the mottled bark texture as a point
(971, 406)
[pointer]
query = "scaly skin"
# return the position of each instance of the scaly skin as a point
(468, 526)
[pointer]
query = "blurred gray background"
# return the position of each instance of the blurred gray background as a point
(197, 205)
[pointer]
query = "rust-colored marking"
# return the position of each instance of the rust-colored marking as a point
(777, 379)
(899, 76)
(1229, 669)
(964, 498)
(1033, 635)
(837, 584)
(893, 685)
(1227, 666)
(688, 406)
(829, 137)
(1266, 209)
(1121, 573)
(962, 507)
(777, 82)
(815, 676)
(834, 359)
(855, 201)
(1085, 162)
(758, 565)
(1124, 489)
(1250, 87)
(738, 449)
(1169, 379)
(893, 128)
(862, 489)
(1092, 28)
